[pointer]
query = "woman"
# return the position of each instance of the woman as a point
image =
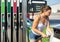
(40, 22)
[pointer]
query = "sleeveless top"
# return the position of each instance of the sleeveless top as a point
(40, 27)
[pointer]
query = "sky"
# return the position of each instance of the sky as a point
(52, 2)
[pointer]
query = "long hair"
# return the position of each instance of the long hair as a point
(45, 8)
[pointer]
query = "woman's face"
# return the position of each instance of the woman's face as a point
(47, 13)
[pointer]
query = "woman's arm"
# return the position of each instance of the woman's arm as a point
(34, 26)
(48, 27)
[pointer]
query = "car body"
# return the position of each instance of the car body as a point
(29, 23)
(55, 36)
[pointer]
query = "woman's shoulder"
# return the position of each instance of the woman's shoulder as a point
(36, 16)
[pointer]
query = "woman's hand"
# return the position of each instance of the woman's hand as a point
(50, 30)
(44, 36)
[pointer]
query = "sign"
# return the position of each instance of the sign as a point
(35, 6)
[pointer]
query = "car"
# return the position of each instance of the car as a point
(29, 23)
(55, 35)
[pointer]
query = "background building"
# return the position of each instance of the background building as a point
(55, 8)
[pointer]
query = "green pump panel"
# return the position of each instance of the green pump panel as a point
(2, 6)
(9, 6)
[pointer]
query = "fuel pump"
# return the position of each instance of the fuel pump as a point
(2, 20)
(14, 20)
(9, 19)
(6, 37)
(17, 32)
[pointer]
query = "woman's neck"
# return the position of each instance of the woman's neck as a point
(42, 15)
